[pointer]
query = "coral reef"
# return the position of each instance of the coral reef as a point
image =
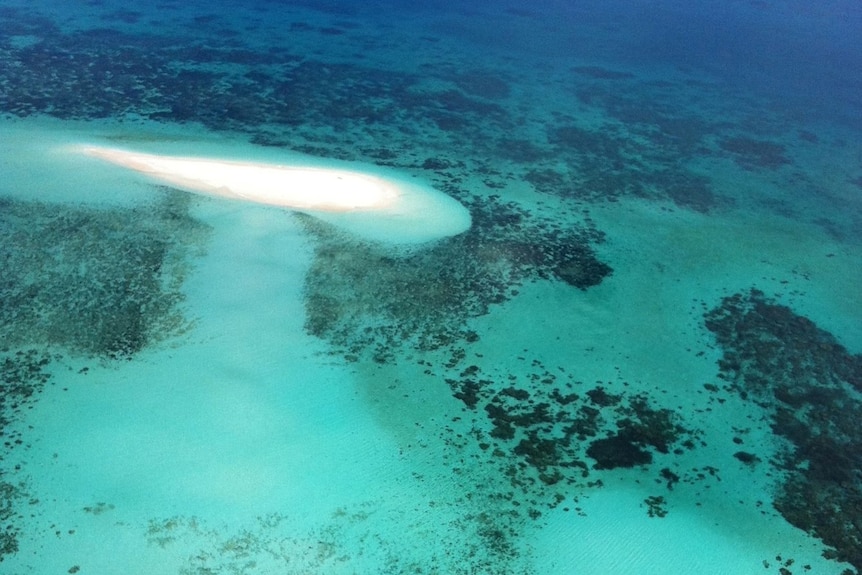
(360, 296)
(102, 282)
(812, 388)
(23, 375)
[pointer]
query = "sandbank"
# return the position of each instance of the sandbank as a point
(372, 206)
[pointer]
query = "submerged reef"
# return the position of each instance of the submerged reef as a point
(94, 282)
(552, 430)
(361, 297)
(100, 282)
(546, 433)
(465, 543)
(23, 375)
(753, 154)
(811, 387)
(611, 162)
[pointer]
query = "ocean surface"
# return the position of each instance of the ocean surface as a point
(643, 357)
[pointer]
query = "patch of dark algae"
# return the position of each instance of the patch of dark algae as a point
(94, 283)
(812, 388)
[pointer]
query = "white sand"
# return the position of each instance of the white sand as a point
(371, 206)
(294, 187)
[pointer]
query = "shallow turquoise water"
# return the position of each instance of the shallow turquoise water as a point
(642, 357)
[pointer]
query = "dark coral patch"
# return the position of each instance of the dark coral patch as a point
(522, 151)
(607, 163)
(98, 282)
(618, 451)
(602, 398)
(423, 298)
(23, 375)
(550, 434)
(754, 154)
(746, 457)
(482, 84)
(691, 191)
(809, 384)
(95, 282)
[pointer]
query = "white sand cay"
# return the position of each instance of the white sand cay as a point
(374, 207)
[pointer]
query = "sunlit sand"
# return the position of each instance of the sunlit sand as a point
(368, 205)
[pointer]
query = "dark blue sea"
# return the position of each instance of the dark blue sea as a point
(488, 288)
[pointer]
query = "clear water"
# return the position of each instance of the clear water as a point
(643, 357)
